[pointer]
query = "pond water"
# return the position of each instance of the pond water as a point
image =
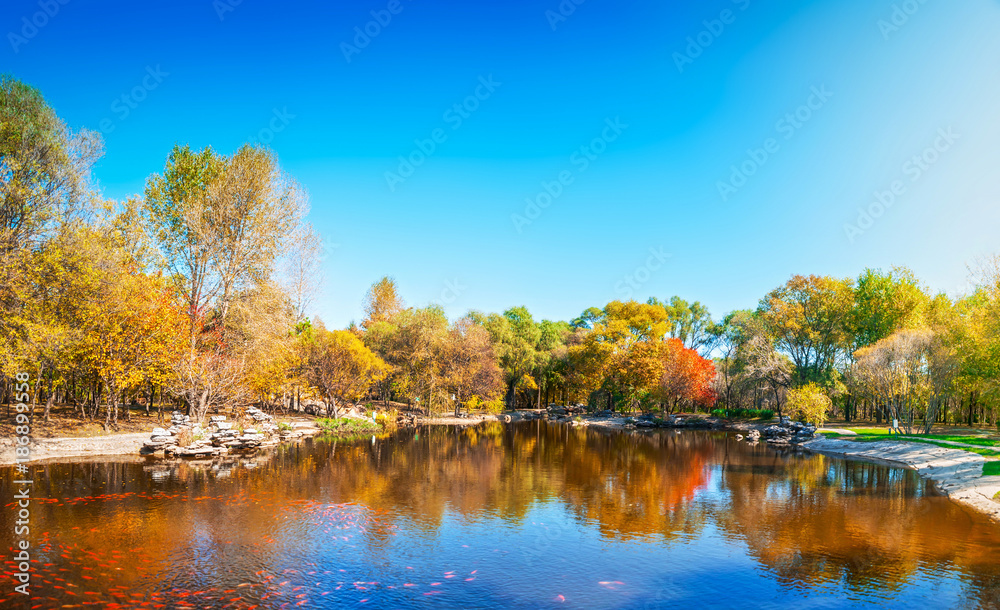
(532, 515)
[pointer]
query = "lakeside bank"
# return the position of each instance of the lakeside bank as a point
(955, 473)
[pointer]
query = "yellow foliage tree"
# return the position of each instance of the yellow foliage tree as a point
(342, 368)
(809, 403)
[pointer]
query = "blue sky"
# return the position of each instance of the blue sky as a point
(707, 150)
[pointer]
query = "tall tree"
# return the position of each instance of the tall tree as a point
(689, 322)
(810, 319)
(885, 303)
(515, 336)
(469, 369)
(382, 303)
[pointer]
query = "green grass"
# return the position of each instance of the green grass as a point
(968, 440)
(869, 430)
(347, 427)
(744, 413)
(991, 469)
(874, 438)
(958, 438)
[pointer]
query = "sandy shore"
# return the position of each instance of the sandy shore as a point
(956, 473)
(49, 449)
(45, 449)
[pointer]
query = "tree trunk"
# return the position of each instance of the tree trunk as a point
(510, 397)
(48, 405)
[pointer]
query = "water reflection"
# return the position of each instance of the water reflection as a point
(501, 516)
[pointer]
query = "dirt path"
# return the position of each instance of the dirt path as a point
(956, 473)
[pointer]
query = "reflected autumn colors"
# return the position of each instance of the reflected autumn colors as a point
(526, 515)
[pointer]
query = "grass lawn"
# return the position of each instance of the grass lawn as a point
(968, 439)
(871, 435)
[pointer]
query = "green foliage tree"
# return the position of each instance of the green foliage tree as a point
(810, 320)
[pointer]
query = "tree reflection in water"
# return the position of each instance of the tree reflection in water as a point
(811, 522)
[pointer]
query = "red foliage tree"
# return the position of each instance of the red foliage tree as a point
(687, 377)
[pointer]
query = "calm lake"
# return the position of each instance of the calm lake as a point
(519, 516)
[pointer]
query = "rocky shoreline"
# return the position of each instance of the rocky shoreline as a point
(785, 432)
(186, 438)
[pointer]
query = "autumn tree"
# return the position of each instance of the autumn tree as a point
(691, 323)
(131, 335)
(809, 403)
(685, 377)
(883, 304)
(906, 374)
(382, 303)
(515, 336)
(342, 368)
(469, 368)
(221, 225)
(809, 318)
(44, 184)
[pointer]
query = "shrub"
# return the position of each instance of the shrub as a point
(490, 406)
(385, 419)
(809, 403)
(744, 413)
(346, 426)
(185, 437)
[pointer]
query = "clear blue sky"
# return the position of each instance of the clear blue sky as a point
(881, 86)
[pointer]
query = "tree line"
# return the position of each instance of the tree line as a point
(194, 294)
